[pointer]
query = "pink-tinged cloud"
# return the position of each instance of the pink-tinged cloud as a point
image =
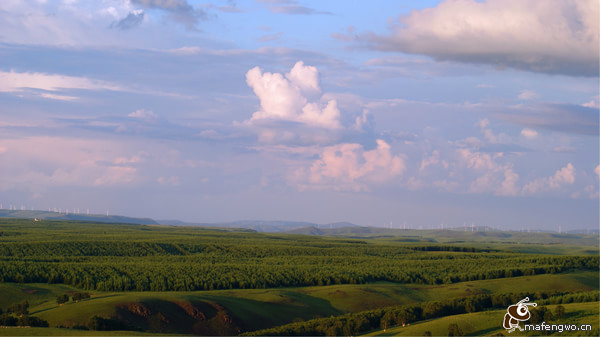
(114, 175)
(535, 35)
(529, 133)
(562, 177)
(494, 177)
(509, 186)
(490, 136)
(350, 167)
(285, 98)
(432, 160)
(593, 103)
(37, 163)
(477, 160)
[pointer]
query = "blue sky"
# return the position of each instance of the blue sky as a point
(416, 112)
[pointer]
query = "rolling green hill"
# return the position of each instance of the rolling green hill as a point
(233, 311)
(207, 281)
(489, 323)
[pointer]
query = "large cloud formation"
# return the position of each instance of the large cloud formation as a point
(286, 97)
(348, 167)
(557, 37)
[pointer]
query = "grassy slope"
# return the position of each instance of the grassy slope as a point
(35, 294)
(257, 308)
(490, 322)
(70, 332)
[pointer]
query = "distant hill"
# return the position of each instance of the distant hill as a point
(262, 225)
(340, 230)
(254, 225)
(44, 215)
(454, 236)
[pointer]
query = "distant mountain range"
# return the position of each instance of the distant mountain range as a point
(257, 225)
(292, 227)
(5, 213)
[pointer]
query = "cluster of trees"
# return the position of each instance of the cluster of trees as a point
(22, 316)
(384, 318)
(577, 297)
(25, 320)
(76, 297)
(543, 314)
(214, 262)
(20, 309)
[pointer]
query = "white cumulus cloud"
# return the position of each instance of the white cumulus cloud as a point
(286, 97)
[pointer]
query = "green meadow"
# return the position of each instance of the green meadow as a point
(258, 308)
(145, 279)
(489, 323)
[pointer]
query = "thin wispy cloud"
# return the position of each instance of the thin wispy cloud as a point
(21, 83)
(557, 117)
(290, 7)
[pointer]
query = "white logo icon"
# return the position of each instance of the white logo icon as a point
(515, 313)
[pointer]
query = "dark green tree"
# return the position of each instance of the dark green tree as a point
(538, 314)
(455, 330)
(548, 316)
(20, 308)
(387, 320)
(8, 320)
(32, 321)
(62, 299)
(559, 312)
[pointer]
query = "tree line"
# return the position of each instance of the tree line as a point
(384, 318)
(21, 311)
(209, 271)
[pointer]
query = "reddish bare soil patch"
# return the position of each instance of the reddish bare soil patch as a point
(191, 310)
(138, 309)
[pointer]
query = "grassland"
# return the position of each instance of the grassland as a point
(290, 278)
(253, 309)
(489, 323)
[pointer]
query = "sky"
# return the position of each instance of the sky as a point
(414, 113)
